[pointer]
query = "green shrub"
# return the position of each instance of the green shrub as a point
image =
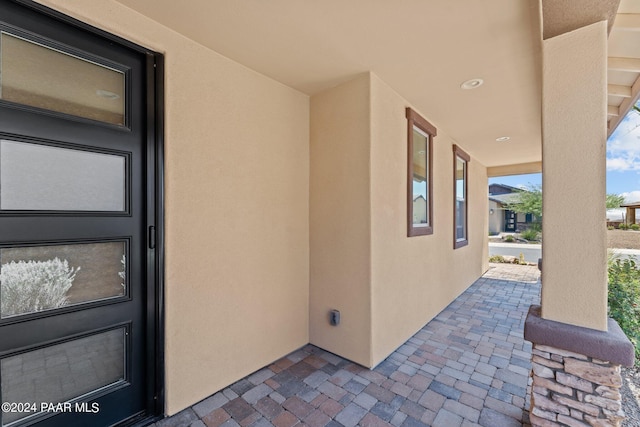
(509, 238)
(496, 258)
(610, 227)
(529, 234)
(623, 226)
(624, 298)
(634, 227)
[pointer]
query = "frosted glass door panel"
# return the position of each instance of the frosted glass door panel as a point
(41, 278)
(61, 372)
(41, 177)
(38, 76)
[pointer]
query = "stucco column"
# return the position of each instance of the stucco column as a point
(574, 286)
(577, 351)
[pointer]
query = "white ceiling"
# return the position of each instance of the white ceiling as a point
(623, 76)
(422, 49)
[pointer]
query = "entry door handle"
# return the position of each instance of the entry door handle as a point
(152, 237)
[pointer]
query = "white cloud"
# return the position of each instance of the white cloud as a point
(631, 196)
(623, 148)
(621, 164)
(616, 214)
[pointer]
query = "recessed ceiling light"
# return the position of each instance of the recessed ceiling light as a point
(503, 138)
(107, 94)
(472, 84)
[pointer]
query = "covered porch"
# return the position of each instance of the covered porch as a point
(306, 108)
(468, 366)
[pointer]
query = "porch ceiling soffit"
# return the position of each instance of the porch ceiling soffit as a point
(516, 169)
(424, 50)
(623, 62)
(563, 16)
(623, 76)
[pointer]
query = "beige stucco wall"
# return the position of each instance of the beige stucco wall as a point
(386, 285)
(574, 289)
(237, 168)
(340, 274)
(413, 279)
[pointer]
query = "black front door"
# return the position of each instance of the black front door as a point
(77, 218)
(509, 220)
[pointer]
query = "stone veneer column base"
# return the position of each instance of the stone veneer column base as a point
(576, 373)
(574, 390)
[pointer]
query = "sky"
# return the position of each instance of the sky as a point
(623, 162)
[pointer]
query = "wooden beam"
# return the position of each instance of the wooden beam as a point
(627, 22)
(619, 90)
(624, 64)
(612, 110)
(624, 108)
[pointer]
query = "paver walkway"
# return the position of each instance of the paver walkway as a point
(469, 366)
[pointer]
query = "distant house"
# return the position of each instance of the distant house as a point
(502, 219)
(632, 217)
(626, 214)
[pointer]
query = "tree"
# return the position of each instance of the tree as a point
(528, 200)
(614, 200)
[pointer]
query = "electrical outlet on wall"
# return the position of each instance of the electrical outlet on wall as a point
(334, 317)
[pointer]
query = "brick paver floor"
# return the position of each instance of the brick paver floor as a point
(469, 366)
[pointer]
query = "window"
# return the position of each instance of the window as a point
(419, 182)
(460, 162)
(51, 79)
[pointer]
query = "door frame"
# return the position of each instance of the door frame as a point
(155, 313)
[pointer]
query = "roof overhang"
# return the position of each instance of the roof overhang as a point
(623, 77)
(424, 50)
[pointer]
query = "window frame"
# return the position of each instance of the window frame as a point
(459, 153)
(415, 120)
